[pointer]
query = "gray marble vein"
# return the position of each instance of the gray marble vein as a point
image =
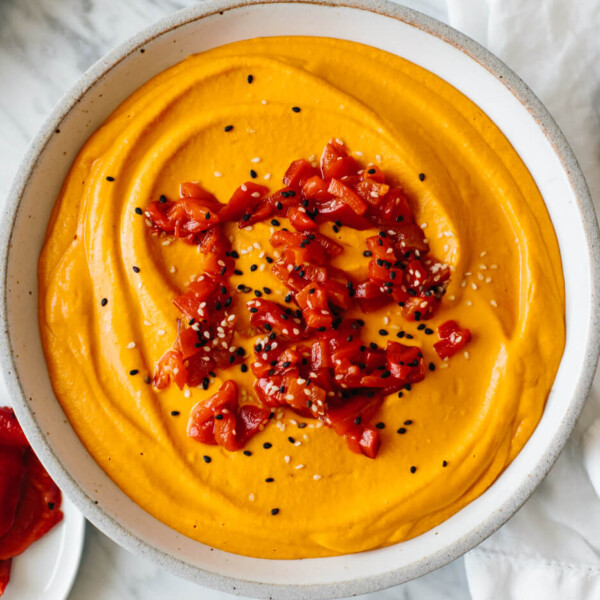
(45, 45)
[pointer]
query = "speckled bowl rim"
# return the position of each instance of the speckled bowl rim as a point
(355, 586)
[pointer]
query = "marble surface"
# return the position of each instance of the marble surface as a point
(45, 45)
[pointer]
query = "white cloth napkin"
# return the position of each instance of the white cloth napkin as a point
(551, 548)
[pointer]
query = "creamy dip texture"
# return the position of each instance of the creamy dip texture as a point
(479, 208)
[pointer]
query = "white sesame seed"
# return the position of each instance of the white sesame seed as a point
(218, 174)
(287, 458)
(131, 345)
(187, 393)
(267, 176)
(255, 194)
(161, 332)
(251, 497)
(494, 303)
(316, 477)
(359, 154)
(173, 269)
(467, 355)
(243, 187)
(299, 466)
(256, 159)
(483, 254)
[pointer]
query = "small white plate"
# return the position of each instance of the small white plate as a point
(48, 567)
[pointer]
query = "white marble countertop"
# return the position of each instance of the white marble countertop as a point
(45, 45)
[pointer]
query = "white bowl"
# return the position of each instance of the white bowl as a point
(430, 44)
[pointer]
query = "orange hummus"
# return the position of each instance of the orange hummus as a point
(479, 208)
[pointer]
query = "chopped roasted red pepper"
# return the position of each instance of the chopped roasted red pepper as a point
(453, 339)
(309, 357)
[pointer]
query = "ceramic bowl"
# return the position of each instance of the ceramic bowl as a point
(430, 44)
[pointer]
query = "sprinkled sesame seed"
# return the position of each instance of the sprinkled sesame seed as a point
(133, 372)
(207, 459)
(218, 174)
(413, 469)
(296, 109)
(109, 178)
(267, 445)
(250, 78)
(138, 210)
(274, 511)
(421, 176)
(103, 302)
(229, 128)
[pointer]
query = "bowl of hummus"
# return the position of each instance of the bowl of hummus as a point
(298, 298)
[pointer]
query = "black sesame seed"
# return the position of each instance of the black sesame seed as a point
(291, 440)
(445, 463)
(367, 253)
(301, 425)
(109, 178)
(402, 430)
(250, 78)
(336, 229)
(267, 290)
(103, 302)
(421, 327)
(275, 222)
(413, 469)
(257, 293)
(138, 210)
(135, 269)
(219, 417)
(207, 459)
(371, 171)
(133, 372)
(269, 259)
(428, 331)
(408, 422)
(269, 480)
(267, 445)
(253, 174)
(422, 176)
(383, 332)
(247, 453)
(246, 217)
(409, 336)
(357, 421)
(400, 394)
(51, 505)
(274, 511)
(431, 366)
(385, 374)
(175, 413)
(408, 387)
(380, 425)
(253, 267)
(373, 346)
(296, 109)
(253, 310)
(229, 128)
(238, 272)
